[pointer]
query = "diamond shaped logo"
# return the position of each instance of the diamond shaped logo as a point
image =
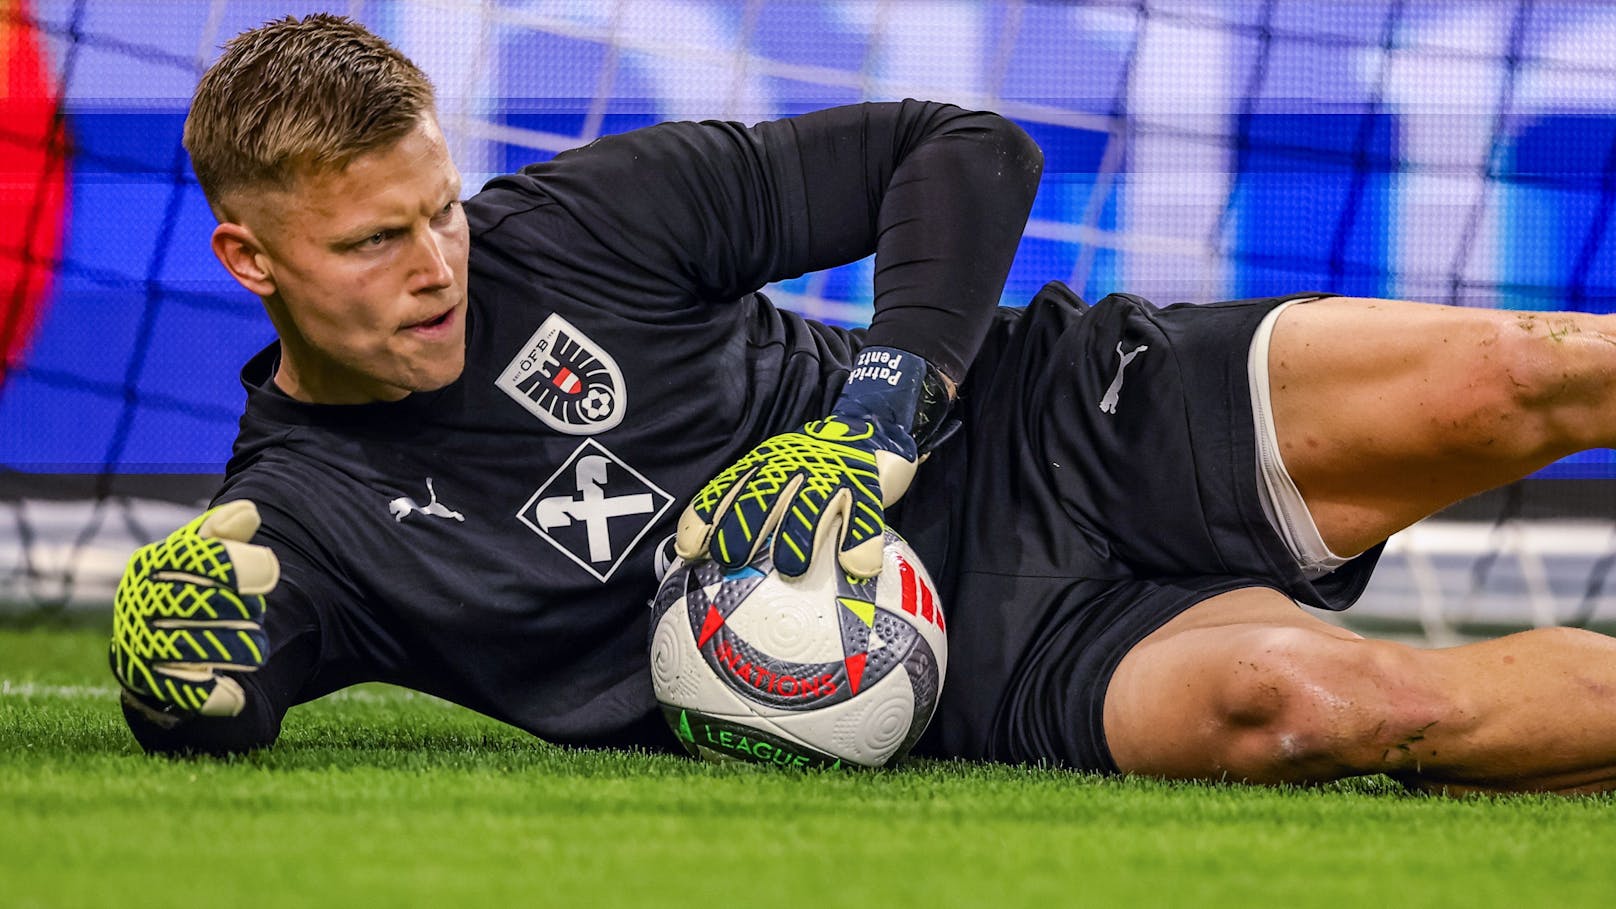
(595, 509)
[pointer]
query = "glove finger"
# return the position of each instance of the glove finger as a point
(173, 597)
(865, 521)
(142, 600)
(863, 560)
(214, 644)
(896, 472)
(745, 526)
(214, 548)
(691, 537)
(696, 524)
(858, 530)
(198, 691)
(236, 520)
(863, 526)
(256, 568)
(713, 498)
(131, 671)
(185, 559)
(227, 698)
(812, 519)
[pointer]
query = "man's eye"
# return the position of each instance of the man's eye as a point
(376, 239)
(447, 210)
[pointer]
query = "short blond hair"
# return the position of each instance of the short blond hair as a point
(295, 96)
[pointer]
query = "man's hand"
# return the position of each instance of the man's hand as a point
(189, 606)
(835, 475)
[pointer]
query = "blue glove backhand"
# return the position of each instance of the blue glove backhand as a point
(835, 475)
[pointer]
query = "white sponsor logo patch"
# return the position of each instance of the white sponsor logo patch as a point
(566, 380)
(595, 509)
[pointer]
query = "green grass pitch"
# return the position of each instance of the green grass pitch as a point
(377, 797)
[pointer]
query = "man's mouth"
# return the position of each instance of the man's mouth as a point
(432, 322)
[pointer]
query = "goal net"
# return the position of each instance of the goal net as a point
(1447, 151)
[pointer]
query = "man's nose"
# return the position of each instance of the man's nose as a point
(432, 265)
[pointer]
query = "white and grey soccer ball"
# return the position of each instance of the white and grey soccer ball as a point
(821, 670)
(597, 403)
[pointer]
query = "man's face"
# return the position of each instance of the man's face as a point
(366, 268)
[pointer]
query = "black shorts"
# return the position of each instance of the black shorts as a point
(1088, 502)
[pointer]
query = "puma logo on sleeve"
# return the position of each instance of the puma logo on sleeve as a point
(1109, 402)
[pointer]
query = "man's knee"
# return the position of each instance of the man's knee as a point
(1535, 391)
(1299, 706)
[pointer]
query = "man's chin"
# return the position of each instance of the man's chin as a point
(417, 381)
(439, 377)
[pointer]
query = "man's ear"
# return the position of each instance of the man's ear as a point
(241, 254)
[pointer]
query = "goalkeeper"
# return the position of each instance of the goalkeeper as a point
(475, 437)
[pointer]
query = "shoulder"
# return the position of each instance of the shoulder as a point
(610, 167)
(288, 490)
(502, 199)
(314, 486)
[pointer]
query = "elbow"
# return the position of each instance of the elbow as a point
(1021, 161)
(1020, 149)
(991, 137)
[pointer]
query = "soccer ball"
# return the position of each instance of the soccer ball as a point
(597, 403)
(816, 671)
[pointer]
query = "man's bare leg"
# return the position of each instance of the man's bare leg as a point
(1246, 686)
(1387, 411)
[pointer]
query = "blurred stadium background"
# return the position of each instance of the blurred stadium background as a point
(1458, 152)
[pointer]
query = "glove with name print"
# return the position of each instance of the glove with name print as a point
(189, 606)
(835, 475)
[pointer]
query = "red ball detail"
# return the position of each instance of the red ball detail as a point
(713, 621)
(33, 183)
(855, 670)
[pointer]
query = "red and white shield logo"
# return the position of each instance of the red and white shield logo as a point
(566, 380)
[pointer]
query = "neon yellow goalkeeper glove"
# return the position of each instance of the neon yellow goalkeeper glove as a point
(832, 476)
(189, 606)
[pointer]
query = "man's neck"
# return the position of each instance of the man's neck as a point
(329, 385)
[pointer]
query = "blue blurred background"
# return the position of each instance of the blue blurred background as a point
(1454, 152)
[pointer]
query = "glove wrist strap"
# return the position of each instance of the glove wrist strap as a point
(932, 424)
(900, 389)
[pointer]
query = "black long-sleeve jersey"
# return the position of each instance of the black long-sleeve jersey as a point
(495, 542)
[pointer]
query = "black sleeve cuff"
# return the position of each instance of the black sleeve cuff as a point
(255, 727)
